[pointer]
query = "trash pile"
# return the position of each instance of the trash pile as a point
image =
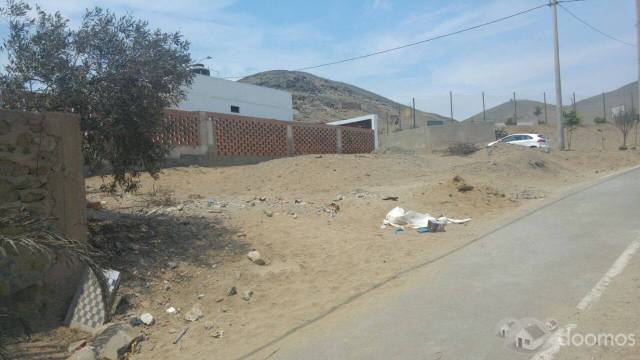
(400, 218)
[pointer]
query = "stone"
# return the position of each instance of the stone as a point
(32, 195)
(172, 264)
(171, 310)
(268, 213)
(114, 342)
(217, 333)
(4, 127)
(255, 257)
(86, 353)
(232, 291)
(147, 319)
(194, 314)
(246, 295)
(208, 325)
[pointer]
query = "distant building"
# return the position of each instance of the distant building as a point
(530, 337)
(364, 122)
(218, 95)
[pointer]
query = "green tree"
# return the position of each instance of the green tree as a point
(115, 72)
(537, 111)
(571, 122)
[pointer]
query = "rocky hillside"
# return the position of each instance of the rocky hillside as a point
(525, 112)
(319, 100)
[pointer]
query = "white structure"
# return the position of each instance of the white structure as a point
(231, 97)
(530, 337)
(367, 121)
(506, 328)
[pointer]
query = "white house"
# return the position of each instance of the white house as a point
(530, 337)
(218, 95)
(506, 328)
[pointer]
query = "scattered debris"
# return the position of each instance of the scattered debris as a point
(194, 314)
(246, 295)
(217, 333)
(232, 291)
(171, 311)
(461, 184)
(180, 335)
(147, 319)
(255, 257)
(332, 208)
(399, 218)
(392, 198)
(115, 341)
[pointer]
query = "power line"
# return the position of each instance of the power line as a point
(595, 28)
(416, 42)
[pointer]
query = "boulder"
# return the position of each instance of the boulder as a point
(114, 341)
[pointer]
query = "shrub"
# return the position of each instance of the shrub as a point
(599, 120)
(462, 149)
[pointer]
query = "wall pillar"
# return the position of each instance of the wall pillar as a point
(338, 140)
(291, 149)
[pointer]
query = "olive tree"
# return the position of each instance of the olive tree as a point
(115, 72)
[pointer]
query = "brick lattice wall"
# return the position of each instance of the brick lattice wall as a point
(309, 139)
(183, 128)
(241, 136)
(357, 141)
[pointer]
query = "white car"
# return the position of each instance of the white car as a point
(528, 140)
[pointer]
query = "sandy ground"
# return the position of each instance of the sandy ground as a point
(317, 254)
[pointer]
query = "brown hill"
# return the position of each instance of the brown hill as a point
(320, 100)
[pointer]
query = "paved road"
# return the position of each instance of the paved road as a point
(539, 266)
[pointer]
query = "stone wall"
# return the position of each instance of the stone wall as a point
(41, 173)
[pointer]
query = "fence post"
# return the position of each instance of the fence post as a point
(545, 107)
(339, 140)
(484, 110)
(291, 151)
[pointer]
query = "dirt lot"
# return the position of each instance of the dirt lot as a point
(316, 222)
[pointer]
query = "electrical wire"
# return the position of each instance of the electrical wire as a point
(416, 42)
(594, 28)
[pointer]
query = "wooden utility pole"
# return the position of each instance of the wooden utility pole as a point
(638, 47)
(515, 108)
(556, 52)
(574, 102)
(414, 111)
(604, 107)
(544, 95)
(484, 110)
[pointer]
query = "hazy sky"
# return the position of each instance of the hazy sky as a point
(245, 37)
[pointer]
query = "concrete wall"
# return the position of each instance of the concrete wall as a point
(213, 94)
(40, 172)
(425, 139)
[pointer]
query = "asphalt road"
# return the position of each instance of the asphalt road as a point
(540, 266)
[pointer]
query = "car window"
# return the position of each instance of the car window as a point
(509, 138)
(526, 137)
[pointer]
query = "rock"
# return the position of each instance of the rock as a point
(86, 353)
(262, 198)
(232, 291)
(220, 299)
(208, 325)
(255, 257)
(339, 197)
(217, 333)
(171, 310)
(268, 213)
(114, 342)
(200, 296)
(172, 264)
(246, 295)
(75, 346)
(147, 319)
(194, 314)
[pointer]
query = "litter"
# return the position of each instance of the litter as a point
(423, 230)
(400, 218)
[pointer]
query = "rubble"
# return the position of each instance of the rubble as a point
(232, 291)
(246, 295)
(147, 319)
(114, 341)
(194, 314)
(255, 257)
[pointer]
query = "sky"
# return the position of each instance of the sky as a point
(247, 36)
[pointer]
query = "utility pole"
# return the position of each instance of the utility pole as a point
(544, 95)
(638, 47)
(484, 110)
(515, 108)
(556, 51)
(574, 102)
(414, 111)
(451, 102)
(604, 108)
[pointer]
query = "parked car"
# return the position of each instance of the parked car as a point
(528, 140)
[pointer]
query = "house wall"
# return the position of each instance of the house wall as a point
(40, 172)
(211, 94)
(233, 140)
